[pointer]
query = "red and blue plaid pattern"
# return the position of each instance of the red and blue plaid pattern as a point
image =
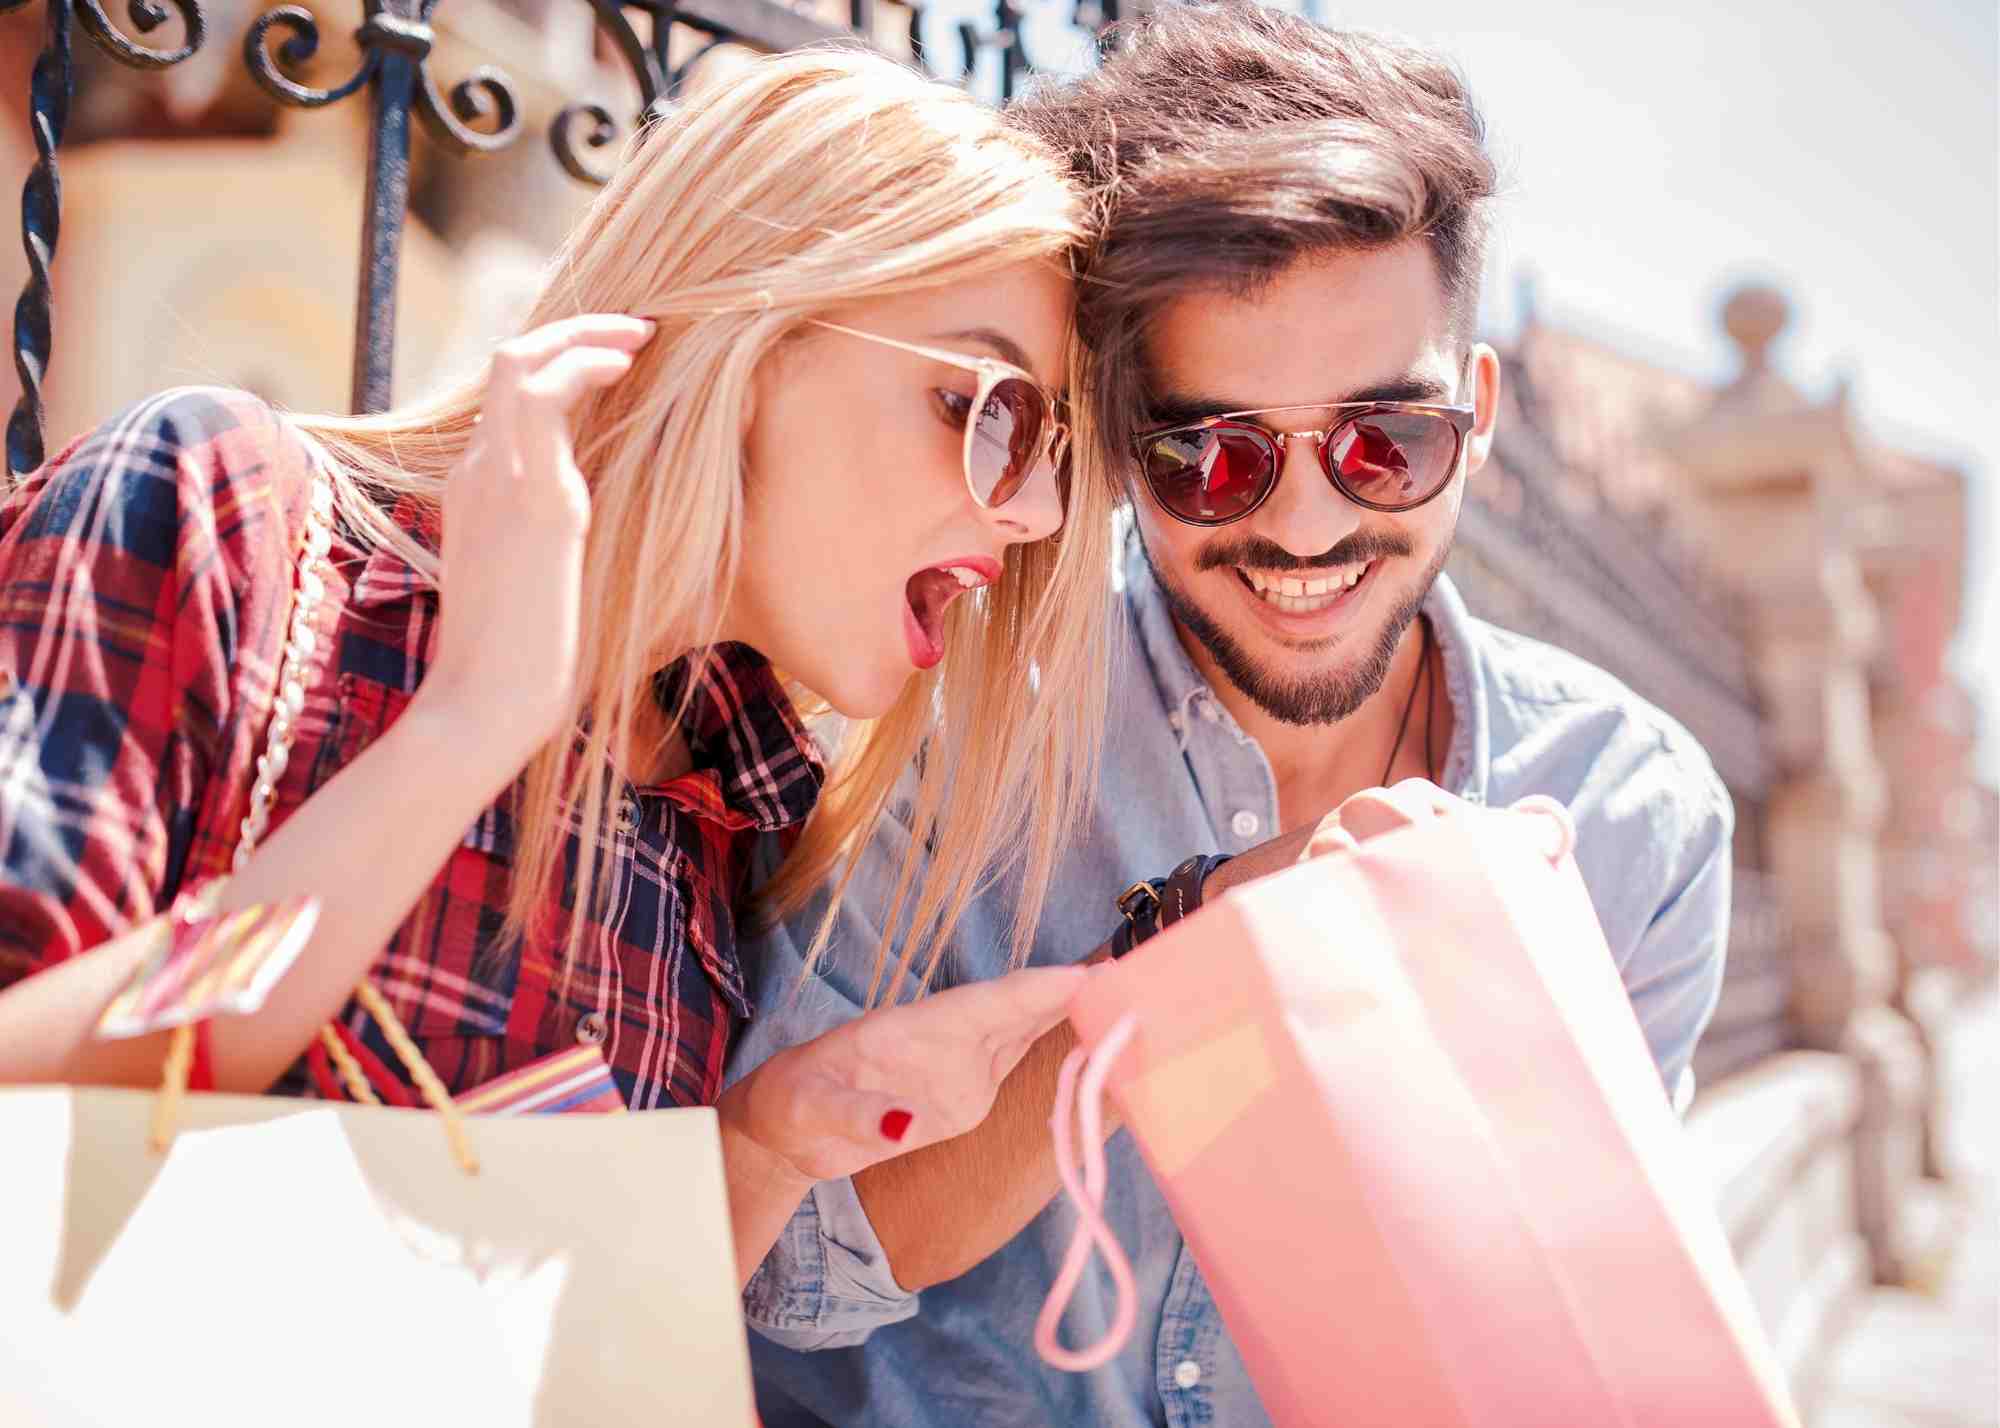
(145, 579)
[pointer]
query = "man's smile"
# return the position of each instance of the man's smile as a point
(1318, 604)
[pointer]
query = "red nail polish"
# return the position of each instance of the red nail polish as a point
(895, 1124)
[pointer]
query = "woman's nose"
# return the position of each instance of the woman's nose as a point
(1036, 510)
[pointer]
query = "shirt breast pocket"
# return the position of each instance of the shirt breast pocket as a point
(451, 969)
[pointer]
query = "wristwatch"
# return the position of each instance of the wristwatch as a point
(1152, 906)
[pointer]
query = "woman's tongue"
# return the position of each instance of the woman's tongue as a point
(928, 592)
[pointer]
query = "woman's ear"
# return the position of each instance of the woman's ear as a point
(748, 416)
(1485, 382)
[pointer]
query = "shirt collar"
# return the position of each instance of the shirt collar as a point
(1467, 764)
(384, 577)
(741, 724)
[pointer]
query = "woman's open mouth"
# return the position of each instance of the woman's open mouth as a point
(929, 592)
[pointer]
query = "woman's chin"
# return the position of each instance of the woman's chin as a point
(860, 696)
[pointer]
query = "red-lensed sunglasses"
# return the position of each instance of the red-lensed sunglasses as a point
(1386, 456)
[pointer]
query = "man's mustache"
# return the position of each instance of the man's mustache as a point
(1255, 554)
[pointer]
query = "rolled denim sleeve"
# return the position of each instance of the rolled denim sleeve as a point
(1674, 976)
(826, 1282)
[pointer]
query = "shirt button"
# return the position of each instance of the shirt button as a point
(628, 815)
(1244, 824)
(1187, 1373)
(590, 1031)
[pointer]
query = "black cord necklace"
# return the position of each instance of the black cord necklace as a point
(1423, 678)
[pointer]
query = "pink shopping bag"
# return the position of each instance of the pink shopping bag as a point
(1402, 1111)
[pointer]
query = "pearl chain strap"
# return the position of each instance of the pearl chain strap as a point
(295, 674)
(289, 700)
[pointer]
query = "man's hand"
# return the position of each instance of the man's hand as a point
(942, 1210)
(1378, 810)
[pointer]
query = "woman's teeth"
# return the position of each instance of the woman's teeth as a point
(968, 579)
(1302, 597)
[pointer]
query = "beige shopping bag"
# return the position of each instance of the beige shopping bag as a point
(303, 1263)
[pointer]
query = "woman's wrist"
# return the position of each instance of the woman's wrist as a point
(479, 737)
(764, 1187)
(752, 1164)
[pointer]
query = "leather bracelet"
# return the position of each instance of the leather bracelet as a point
(1139, 907)
(1151, 907)
(1182, 894)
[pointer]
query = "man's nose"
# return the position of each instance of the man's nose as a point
(1306, 515)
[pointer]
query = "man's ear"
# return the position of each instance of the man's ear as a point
(1484, 377)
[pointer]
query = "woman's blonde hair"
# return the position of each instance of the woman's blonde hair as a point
(801, 183)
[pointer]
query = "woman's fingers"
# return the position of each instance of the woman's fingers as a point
(878, 1124)
(1017, 1007)
(568, 375)
(516, 523)
(901, 1077)
(530, 350)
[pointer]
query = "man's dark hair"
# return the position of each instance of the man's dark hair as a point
(1222, 142)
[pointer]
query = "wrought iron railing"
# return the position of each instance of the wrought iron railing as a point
(991, 45)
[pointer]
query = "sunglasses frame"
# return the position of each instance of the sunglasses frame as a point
(1460, 418)
(992, 372)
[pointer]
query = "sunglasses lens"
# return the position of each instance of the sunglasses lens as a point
(1207, 476)
(1007, 440)
(1393, 459)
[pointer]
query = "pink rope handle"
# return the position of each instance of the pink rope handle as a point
(1087, 1195)
(1549, 808)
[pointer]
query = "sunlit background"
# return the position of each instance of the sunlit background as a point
(1779, 525)
(1847, 153)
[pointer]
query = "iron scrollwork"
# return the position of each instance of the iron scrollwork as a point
(990, 44)
(41, 195)
(481, 115)
(484, 97)
(585, 129)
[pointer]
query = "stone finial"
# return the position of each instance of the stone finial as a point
(1753, 317)
(1524, 295)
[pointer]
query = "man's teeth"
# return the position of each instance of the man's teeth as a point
(1298, 596)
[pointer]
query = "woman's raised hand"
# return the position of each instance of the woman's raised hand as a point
(516, 516)
(895, 1079)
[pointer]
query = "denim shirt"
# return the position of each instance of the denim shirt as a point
(835, 1340)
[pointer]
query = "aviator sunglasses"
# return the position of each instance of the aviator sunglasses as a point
(1012, 428)
(1385, 456)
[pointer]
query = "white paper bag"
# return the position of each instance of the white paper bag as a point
(303, 1263)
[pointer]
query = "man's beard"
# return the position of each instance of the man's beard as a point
(1313, 699)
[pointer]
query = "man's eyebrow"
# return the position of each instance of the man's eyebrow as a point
(1179, 408)
(1008, 349)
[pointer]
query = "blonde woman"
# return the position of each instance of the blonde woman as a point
(787, 404)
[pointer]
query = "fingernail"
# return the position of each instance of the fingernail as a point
(895, 1125)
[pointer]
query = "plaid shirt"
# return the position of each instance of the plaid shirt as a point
(145, 583)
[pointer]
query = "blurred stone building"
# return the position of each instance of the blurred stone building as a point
(1752, 562)
(1743, 556)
